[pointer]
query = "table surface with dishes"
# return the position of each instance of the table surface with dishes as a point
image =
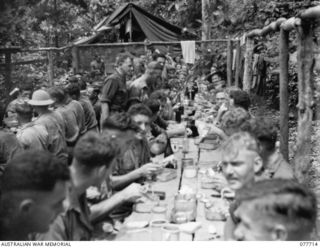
(191, 209)
(184, 203)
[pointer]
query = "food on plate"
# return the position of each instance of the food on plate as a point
(167, 175)
(137, 224)
(216, 211)
(145, 206)
(207, 183)
(215, 193)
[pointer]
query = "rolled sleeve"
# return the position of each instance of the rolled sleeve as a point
(109, 90)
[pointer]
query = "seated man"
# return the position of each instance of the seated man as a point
(233, 121)
(160, 140)
(133, 162)
(33, 188)
(9, 147)
(275, 210)
(275, 166)
(240, 98)
(91, 165)
(72, 113)
(73, 89)
(241, 164)
(24, 95)
(30, 135)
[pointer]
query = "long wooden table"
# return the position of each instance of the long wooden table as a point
(206, 159)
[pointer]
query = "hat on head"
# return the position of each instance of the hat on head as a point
(40, 98)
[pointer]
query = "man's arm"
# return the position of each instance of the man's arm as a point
(229, 228)
(105, 112)
(129, 194)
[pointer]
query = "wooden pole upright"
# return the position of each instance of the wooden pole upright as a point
(229, 63)
(50, 67)
(302, 159)
(284, 102)
(247, 77)
(238, 63)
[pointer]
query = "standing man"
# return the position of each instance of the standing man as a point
(114, 92)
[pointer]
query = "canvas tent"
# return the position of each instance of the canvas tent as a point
(136, 24)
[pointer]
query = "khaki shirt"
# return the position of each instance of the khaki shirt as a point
(72, 225)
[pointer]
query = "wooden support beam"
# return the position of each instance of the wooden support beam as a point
(284, 102)
(229, 63)
(311, 13)
(274, 26)
(8, 69)
(238, 63)
(50, 67)
(247, 77)
(290, 24)
(75, 59)
(302, 160)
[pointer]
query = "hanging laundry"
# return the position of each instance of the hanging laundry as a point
(189, 51)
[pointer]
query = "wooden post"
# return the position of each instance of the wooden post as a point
(284, 103)
(75, 59)
(8, 72)
(205, 34)
(302, 160)
(50, 67)
(247, 77)
(238, 63)
(229, 63)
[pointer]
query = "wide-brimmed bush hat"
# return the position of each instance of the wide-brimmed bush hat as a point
(40, 98)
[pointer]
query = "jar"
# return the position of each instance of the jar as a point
(156, 229)
(187, 162)
(170, 233)
(190, 171)
(159, 212)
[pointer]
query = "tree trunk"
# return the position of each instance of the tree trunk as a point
(302, 160)
(205, 4)
(229, 63)
(8, 73)
(238, 63)
(75, 59)
(247, 77)
(50, 67)
(284, 105)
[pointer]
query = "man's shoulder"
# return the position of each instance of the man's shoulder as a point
(140, 82)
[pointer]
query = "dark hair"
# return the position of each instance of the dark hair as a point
(158, 95)
(34, 170)
(58, 93)
(119, 121)
(265, 131)
(122, 57)
(155, 56)
(285, 198)
(240, 98)
(26, 86)
(234, 119)
(141, 109)
(73, 89)
(153, 105)
(24, 109)
(82, 84)
(93, 150)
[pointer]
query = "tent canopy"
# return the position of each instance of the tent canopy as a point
(138, 24)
